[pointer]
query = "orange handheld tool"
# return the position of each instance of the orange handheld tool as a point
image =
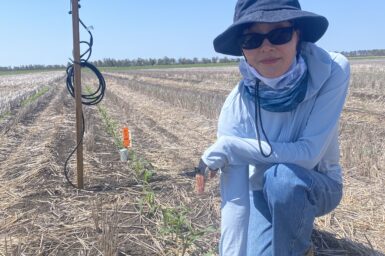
(201, 173)
(199, 183)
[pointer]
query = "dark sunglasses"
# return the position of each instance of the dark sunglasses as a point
(277, 36)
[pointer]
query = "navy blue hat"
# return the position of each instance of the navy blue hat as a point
(311, 25)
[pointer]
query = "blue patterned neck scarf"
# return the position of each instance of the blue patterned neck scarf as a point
(282, 94)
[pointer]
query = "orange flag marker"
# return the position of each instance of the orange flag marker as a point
(126, 137)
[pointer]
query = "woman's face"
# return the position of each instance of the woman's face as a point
(271, 60)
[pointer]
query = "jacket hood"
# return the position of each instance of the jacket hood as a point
(319, 64)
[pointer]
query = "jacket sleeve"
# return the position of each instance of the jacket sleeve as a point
(230, 124)
(233, 145)
(308, 150)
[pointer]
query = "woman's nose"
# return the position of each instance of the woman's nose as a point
(266, 44)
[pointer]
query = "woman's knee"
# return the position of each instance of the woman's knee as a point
(282, 181)
(234, 187)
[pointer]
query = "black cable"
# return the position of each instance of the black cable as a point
(91, 98)
(70, 155)
(97, 96)
(87, 99)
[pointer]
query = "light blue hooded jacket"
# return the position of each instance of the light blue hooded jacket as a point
(306, 136)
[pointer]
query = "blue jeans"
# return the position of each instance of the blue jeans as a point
(282, 221)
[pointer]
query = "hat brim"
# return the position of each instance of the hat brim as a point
(311, 25)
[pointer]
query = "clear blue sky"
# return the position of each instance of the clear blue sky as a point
(40, 31)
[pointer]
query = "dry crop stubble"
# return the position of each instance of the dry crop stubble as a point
(170, 127)
(42, 214)
(361, 214)
(53, 218)
(16, 88)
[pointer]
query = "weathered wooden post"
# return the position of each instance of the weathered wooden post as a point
(78, 91)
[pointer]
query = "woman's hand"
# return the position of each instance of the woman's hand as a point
(203, 173)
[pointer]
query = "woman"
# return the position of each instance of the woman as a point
(278, 130)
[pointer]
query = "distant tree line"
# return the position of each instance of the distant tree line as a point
(364, 53)
(110, 62)
(32, 67)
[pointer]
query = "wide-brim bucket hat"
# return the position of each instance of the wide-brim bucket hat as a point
(311, 25)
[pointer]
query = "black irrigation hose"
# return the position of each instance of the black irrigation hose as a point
(92, 98)
(87, 99)
(70, 155)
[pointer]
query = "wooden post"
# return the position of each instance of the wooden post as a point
(78, 90)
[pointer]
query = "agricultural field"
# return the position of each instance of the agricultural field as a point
(147, 206)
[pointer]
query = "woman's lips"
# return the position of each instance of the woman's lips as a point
(269, 61)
